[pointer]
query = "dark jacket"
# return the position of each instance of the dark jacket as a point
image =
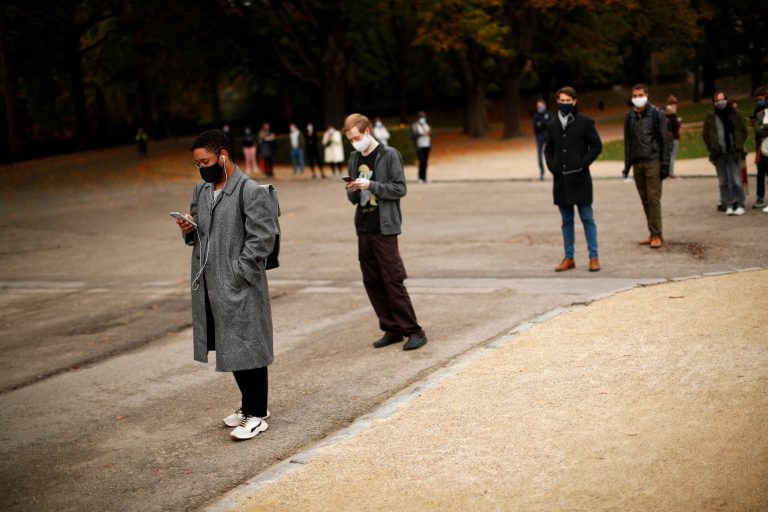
(541, 121)
(569, 153)
(646, 140)
(712, 139)
(388, 188)
(673, 122)
(311, 142)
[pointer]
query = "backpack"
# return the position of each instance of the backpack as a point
(655, 114)
(273, 258)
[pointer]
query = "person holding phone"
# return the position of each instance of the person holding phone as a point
(377, 184)
(231, 313)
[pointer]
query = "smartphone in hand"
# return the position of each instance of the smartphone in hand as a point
(180, 216)
(348, 179)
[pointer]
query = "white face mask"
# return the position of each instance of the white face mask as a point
(362, 144)
(721, 104)
(640, 102)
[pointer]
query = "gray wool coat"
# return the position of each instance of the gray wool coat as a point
(234, 274)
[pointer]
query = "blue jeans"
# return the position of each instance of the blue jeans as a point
(590, 229)
(540, 151)
(729, 176)
(297, 157)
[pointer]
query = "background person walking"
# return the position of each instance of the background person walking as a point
(760, 124)
(334, 149)
(249, 151)
(141, 141)
(313, 150)
(725, 135)
(572, 144)
(422, 134)
(297, 148)
(541, 120)
(380, 132)
(647, 148)
(267, 149)
(673, 124)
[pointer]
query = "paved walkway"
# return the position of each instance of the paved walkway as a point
(651, 399)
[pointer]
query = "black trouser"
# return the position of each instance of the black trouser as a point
(253, 384)
(762, 170)
(423, 158)
(313, 159)
(254, 387)
(335, 166)
(383, 276)
(269, 165)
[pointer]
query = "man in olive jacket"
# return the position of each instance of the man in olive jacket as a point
(725, 135)
(572, 145)
(231, 311)
(378, 183)
(647, 150)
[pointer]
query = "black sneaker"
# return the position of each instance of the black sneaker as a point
(415, 341)
(721, 207)
(759, 203)
(388, 339)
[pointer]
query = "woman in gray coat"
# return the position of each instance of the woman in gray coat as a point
(231, 310)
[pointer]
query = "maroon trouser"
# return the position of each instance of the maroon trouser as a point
(383, 276)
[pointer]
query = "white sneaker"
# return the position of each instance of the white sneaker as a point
(739, 211)
(765, 209)
(729, 211)
(248, 428)
(236, 417)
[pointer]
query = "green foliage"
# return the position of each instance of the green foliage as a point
(88, 72)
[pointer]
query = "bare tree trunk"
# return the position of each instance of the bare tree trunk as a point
(9, 93)
(77, 91)
(477, 112)
(287, 104)
(756, 58)
(697, 76)
(144, 99)
(708, 72)
(639, 61)
(334, 83)
(213, 94)
(474, 83)
(510, 83)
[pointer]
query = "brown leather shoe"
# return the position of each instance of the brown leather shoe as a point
(594, 264)
(566, 264)
(656, 242)
(647, 241)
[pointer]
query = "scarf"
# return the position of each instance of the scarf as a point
(725, 117)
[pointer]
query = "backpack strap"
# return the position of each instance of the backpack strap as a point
(241, 203)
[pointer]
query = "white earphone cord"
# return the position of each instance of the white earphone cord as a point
(204, 261)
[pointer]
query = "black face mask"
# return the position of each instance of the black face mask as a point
(212, 173)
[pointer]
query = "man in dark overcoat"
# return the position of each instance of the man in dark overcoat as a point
(232, 230)
(572, 145)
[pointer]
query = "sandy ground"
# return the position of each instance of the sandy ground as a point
(653, 399)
